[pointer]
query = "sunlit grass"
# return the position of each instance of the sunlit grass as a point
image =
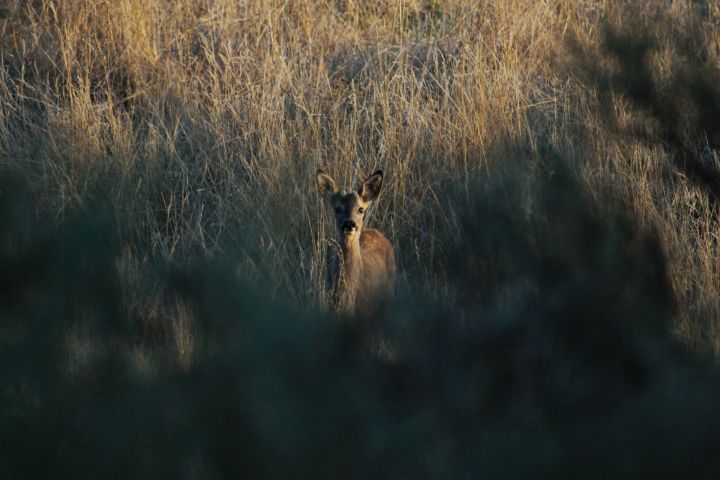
(200, 120)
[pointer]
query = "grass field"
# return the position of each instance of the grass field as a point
(551, 178)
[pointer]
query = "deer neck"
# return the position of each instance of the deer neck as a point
(350, 266)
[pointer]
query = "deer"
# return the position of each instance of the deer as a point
(364, 271)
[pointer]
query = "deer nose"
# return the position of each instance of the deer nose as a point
(349, 225)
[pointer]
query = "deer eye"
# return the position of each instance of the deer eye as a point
(338, 210)
(361, 210)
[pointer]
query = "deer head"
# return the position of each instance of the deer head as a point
(349, 206)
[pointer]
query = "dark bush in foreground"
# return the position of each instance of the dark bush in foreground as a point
(555, 362)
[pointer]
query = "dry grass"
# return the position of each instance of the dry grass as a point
(203, 122)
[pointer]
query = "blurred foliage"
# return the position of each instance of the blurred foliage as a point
(556, 362)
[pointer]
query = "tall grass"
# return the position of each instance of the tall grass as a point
(201, 120)
(551, 194)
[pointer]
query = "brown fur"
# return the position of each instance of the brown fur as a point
(365, 272)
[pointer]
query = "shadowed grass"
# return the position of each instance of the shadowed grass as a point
(558, 345)
(551, 194)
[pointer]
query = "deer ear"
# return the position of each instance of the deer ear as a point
(325, 183)
(370, 188)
